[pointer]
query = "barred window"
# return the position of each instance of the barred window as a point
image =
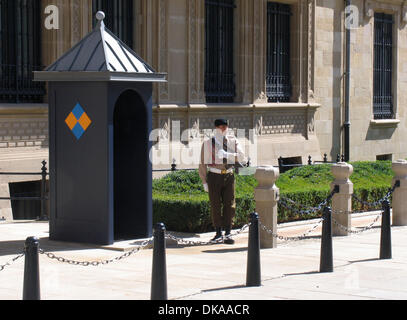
(278, 82)
(119, 17)
(20, 52)
(219, 70)
(383, 66)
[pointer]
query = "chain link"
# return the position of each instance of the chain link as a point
(346, 229)
(378, 202)
(96, 263)
(184, 242)
(144, 244)
(243, 229)
(283, 201)
(297, 238)
(308, 211)
(3, 266)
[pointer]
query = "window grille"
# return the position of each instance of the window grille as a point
(278, 82)
(20, 52)
(219, 69)
(383, 66)
(119, 17)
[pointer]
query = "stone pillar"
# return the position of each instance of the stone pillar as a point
(342, 201)
(399, 202)
(266, 196)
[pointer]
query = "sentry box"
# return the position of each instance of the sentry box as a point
(100, 119)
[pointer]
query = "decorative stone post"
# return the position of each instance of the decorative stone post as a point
(266, 196)
(342, 201)
(399, 201)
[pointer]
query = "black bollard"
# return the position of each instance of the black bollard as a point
(159, 273)
(385, 238)
(326, 263)
(253, 273)
(31, 287)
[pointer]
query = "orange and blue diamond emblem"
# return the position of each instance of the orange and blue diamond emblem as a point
(78, 121)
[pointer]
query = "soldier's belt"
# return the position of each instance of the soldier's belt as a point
(218, 171)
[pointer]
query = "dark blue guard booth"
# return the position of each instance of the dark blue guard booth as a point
(100, 119)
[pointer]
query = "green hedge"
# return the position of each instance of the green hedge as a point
(180, 202)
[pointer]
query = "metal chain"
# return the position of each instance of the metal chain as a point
(297, 238)
(181, 241)
(309, 210)
(378, 202)
(3, 266)
(346, 229)
(369, 204)
(96, 263)
(243, 229)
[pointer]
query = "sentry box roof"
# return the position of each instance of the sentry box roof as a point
(100, 56)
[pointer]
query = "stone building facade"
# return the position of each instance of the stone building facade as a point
(294, 111)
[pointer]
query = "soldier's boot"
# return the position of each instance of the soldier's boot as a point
(228, 237)
(218, 236)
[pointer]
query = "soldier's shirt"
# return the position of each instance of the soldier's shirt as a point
(209, 157)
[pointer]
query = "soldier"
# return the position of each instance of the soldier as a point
(218, 157)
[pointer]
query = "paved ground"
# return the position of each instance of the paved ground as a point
(214, 272)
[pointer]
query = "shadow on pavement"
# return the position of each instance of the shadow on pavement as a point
(17, 246)
(364, 260)
(301, 273)
(239, 286)
(225, 250)
(317, 272)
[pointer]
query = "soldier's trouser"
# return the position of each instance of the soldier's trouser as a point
(222, 194)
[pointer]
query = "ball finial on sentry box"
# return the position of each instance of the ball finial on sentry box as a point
(100, 15)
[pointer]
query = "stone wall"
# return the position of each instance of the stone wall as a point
(328, 74)
(173, 41)
(170, 36)
(23, 126)
(75, 21)
(369, 138)
(286, 131)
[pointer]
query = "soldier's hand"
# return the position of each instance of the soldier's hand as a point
(222, 154)
(206, 187)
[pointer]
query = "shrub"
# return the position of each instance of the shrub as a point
(180, 202)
